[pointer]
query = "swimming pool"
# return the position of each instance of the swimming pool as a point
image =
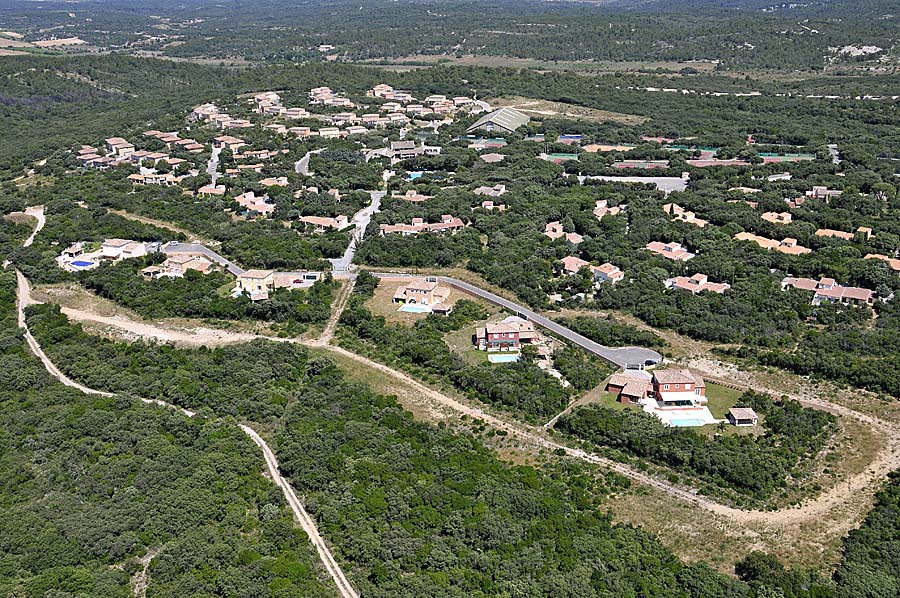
(412, 308)
(82, 264)
(414, 175)
(686, 423)
(503, 357)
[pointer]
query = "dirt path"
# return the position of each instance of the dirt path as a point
(861, 484)
(337, 310)
(306, 522)
(37, 212)
(141, 579)
(850, 498)
(23, 294)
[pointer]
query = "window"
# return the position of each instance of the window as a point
(677, 386)
(665, 387)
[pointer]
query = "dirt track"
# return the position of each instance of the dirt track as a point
(306, 522)
(858, 487)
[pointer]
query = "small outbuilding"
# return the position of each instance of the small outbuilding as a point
(743, 416)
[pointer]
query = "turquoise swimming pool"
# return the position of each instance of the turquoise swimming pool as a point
(412, 308)
(503, 357)
(686, 423)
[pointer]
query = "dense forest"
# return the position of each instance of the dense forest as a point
(733, 36)
(93, 483)
(415, 509)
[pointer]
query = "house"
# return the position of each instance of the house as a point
(403, 150)
(422, 292)
(506, 335)
(251, 202)
(256, 283)
(228, 142)
(329, 133)
(356, 130)
(274, 182)
(495, 191)
(682, 215)
(177, 265)
(163, 180)
(573, 265)
(211, 190)
(696, 284)
(490, 206)
(555, 230)
(672, 251)
(743, 416)
(604, 273)
(828, 290)
(894, 263)
(323, 223)
(447, 223)
(601, 209)
(607, 272)
(666, 388)
(822, 192)
(119, 147)
(410, 195)
(788, 245)
(504, 120)
(120, 249)
(777, 217)
(863, 232)
(295, 113)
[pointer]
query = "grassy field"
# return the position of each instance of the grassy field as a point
(460, 342)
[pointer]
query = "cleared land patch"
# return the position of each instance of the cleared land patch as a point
(547, 108)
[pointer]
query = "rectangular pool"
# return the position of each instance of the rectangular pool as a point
(503, 357)
(415, 309)
(82, 264)
(686, 423)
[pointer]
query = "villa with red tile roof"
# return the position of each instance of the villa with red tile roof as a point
(507, 335)
(696, 284)
(447, 223)
(323, 223)
(827, 290)
(777, 217)
(788, 245)
(672, 251)
(894, 263)
(680, 214)
(555, 230)
(601, 209)
(604, 273)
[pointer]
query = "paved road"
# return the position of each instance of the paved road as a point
(621, 356)
(301, 166)
(361, 219)
(212, 167)
(174, 248)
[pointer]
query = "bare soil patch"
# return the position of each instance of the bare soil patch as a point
(536, 107)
